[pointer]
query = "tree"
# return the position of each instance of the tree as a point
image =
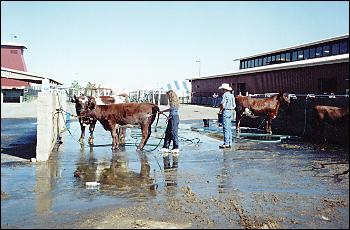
(90, 88)
(75, 89)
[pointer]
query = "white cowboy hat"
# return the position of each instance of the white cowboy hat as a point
(225, 86)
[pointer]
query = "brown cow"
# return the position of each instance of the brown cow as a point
(81, 102)
(255, 107)
(330, 114)
(113, 115)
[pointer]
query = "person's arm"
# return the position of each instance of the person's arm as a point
(222, 103)
(234, 102)
(221, 109)
(165, 110)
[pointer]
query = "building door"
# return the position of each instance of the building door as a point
(12, 95)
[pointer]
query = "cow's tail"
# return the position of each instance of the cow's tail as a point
(155, 129)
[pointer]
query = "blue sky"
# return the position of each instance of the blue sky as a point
(133, 45)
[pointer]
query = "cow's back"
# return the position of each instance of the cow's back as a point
(127, 113)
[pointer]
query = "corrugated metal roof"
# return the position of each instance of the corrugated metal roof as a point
(289, 65)
(24, 76)
(296, 47)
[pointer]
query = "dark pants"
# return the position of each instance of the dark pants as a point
(171, 133)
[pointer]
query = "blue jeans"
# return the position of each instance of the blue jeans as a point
(171, 133)
(226, 122)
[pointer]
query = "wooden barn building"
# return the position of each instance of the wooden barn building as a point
(320, 67)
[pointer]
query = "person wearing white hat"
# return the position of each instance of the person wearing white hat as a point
(227, 106)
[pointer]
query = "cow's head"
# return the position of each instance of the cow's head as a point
(80, 103)
(283, 97)
(91, 103)
(88, 113)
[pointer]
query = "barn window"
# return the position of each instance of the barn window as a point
(273, 58)
(335, 49)
(242, 65)
(268, 60)
(300, 55)
(294, 56)
(278, 57)
(344, 47)
(312, 52)
(256, 62)
(326, 51)
(265, 61)
(283, 57)
(287, 56)
(319, 52)
(13, 51)
(306, 54)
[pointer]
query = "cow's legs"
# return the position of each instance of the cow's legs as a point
(115, 142)
(268, 125)
(121, 134)
(149, 133)
(238, 122)
(150, 122)
(91, 129)
(82, 128)
(144, 130)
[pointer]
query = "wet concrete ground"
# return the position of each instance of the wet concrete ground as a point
(18, 137)
(280, 183)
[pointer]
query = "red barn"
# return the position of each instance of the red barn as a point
(15, 80)
(12, 58)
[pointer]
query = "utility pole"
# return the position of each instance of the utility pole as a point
(199, 68)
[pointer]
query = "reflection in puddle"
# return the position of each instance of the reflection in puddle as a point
(47, 174)
(120, 176)
(170, 171)
(116, 174)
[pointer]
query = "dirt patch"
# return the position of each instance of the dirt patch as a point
(4, 195)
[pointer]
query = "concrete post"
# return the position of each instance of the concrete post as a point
(45, 136)
(158, 98)
(2, 98)
(61, 104)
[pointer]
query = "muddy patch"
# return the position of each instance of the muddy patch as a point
(4, 195)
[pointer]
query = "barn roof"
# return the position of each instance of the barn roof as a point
(296, 47)
(25, 76)
(13, 44)
(289, 65)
